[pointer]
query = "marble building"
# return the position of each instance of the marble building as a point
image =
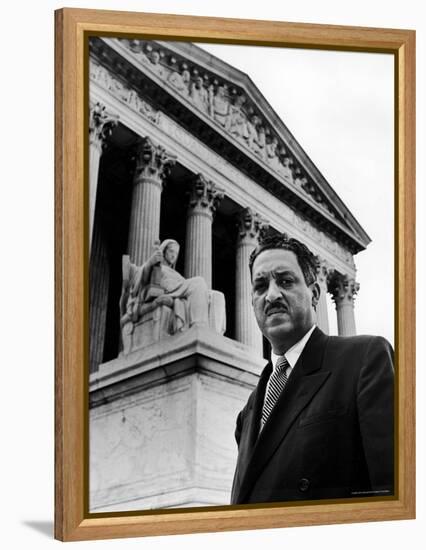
(187, 164)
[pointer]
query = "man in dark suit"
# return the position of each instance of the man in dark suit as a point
(319, 424)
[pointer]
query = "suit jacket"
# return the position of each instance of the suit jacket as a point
(330, 434)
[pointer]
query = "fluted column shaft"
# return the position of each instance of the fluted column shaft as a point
(321, 310)
(345, 320)
(101, 124)
(144, 229)
(198, 257)
(203, 201)
(343, 291)
(246, 328)
(152, 166)
(99, 287)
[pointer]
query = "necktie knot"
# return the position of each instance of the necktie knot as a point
(282, 364)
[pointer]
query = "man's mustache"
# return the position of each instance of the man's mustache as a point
(278, 306)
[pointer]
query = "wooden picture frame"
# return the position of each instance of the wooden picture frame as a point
(72, 519)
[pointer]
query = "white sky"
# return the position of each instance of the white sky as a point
(339, 107)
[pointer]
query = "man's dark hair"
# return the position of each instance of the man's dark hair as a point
(306, 260)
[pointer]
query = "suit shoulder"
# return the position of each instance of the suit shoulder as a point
(362, 341)
(356, 352)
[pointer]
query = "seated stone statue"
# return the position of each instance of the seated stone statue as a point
(157, 296)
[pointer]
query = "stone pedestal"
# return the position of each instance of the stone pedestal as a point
(246, 328)
(343, 292)
(162, 423)
(157, 321)
(152, 165)
(203, 201)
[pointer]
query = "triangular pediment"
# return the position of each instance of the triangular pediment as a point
(229, 102)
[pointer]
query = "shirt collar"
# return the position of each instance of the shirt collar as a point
(293, 354)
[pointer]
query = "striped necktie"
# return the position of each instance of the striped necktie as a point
(277, 382)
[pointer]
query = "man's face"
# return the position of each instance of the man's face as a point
(171, 254)
(282, 301)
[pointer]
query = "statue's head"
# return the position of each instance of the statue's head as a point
(155, 57)
(170, 249)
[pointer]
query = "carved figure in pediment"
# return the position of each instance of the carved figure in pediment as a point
(178, 81)
(137, 48)
(309, 187)
(272, 153)
(252, 135)
(199, 94)
(155, 58)
(261, 142)
(301, 181)
(237, 121)
(286, 169)
(134, 45)
(220, 106)
(210, 99)
(256, 138)
(186, 75)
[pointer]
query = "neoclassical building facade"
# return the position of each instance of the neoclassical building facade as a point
(185, 147)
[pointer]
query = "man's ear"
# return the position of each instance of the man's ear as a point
(316, 292)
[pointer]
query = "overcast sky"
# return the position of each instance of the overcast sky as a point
(339, 107)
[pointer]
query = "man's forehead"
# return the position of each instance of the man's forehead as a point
(275, 259)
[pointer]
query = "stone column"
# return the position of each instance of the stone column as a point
(153, 164)
(204, 198)
(246, 328)
(99, 277)
(343, 290)
(101, 124)
(321, 311)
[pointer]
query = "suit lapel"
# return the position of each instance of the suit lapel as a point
(252, 419)
(304, 382)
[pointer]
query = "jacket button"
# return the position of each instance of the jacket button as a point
(304, 484)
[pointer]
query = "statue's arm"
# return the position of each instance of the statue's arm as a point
(145, 271)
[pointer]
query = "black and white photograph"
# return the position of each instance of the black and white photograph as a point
(241, 230)
(213, 210)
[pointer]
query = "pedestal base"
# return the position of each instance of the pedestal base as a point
(162, 423)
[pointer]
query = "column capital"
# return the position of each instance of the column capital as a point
(323, 270)
(204, 196)
(152, 161)
(101, 124)
(343, 289)
(249, 225)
